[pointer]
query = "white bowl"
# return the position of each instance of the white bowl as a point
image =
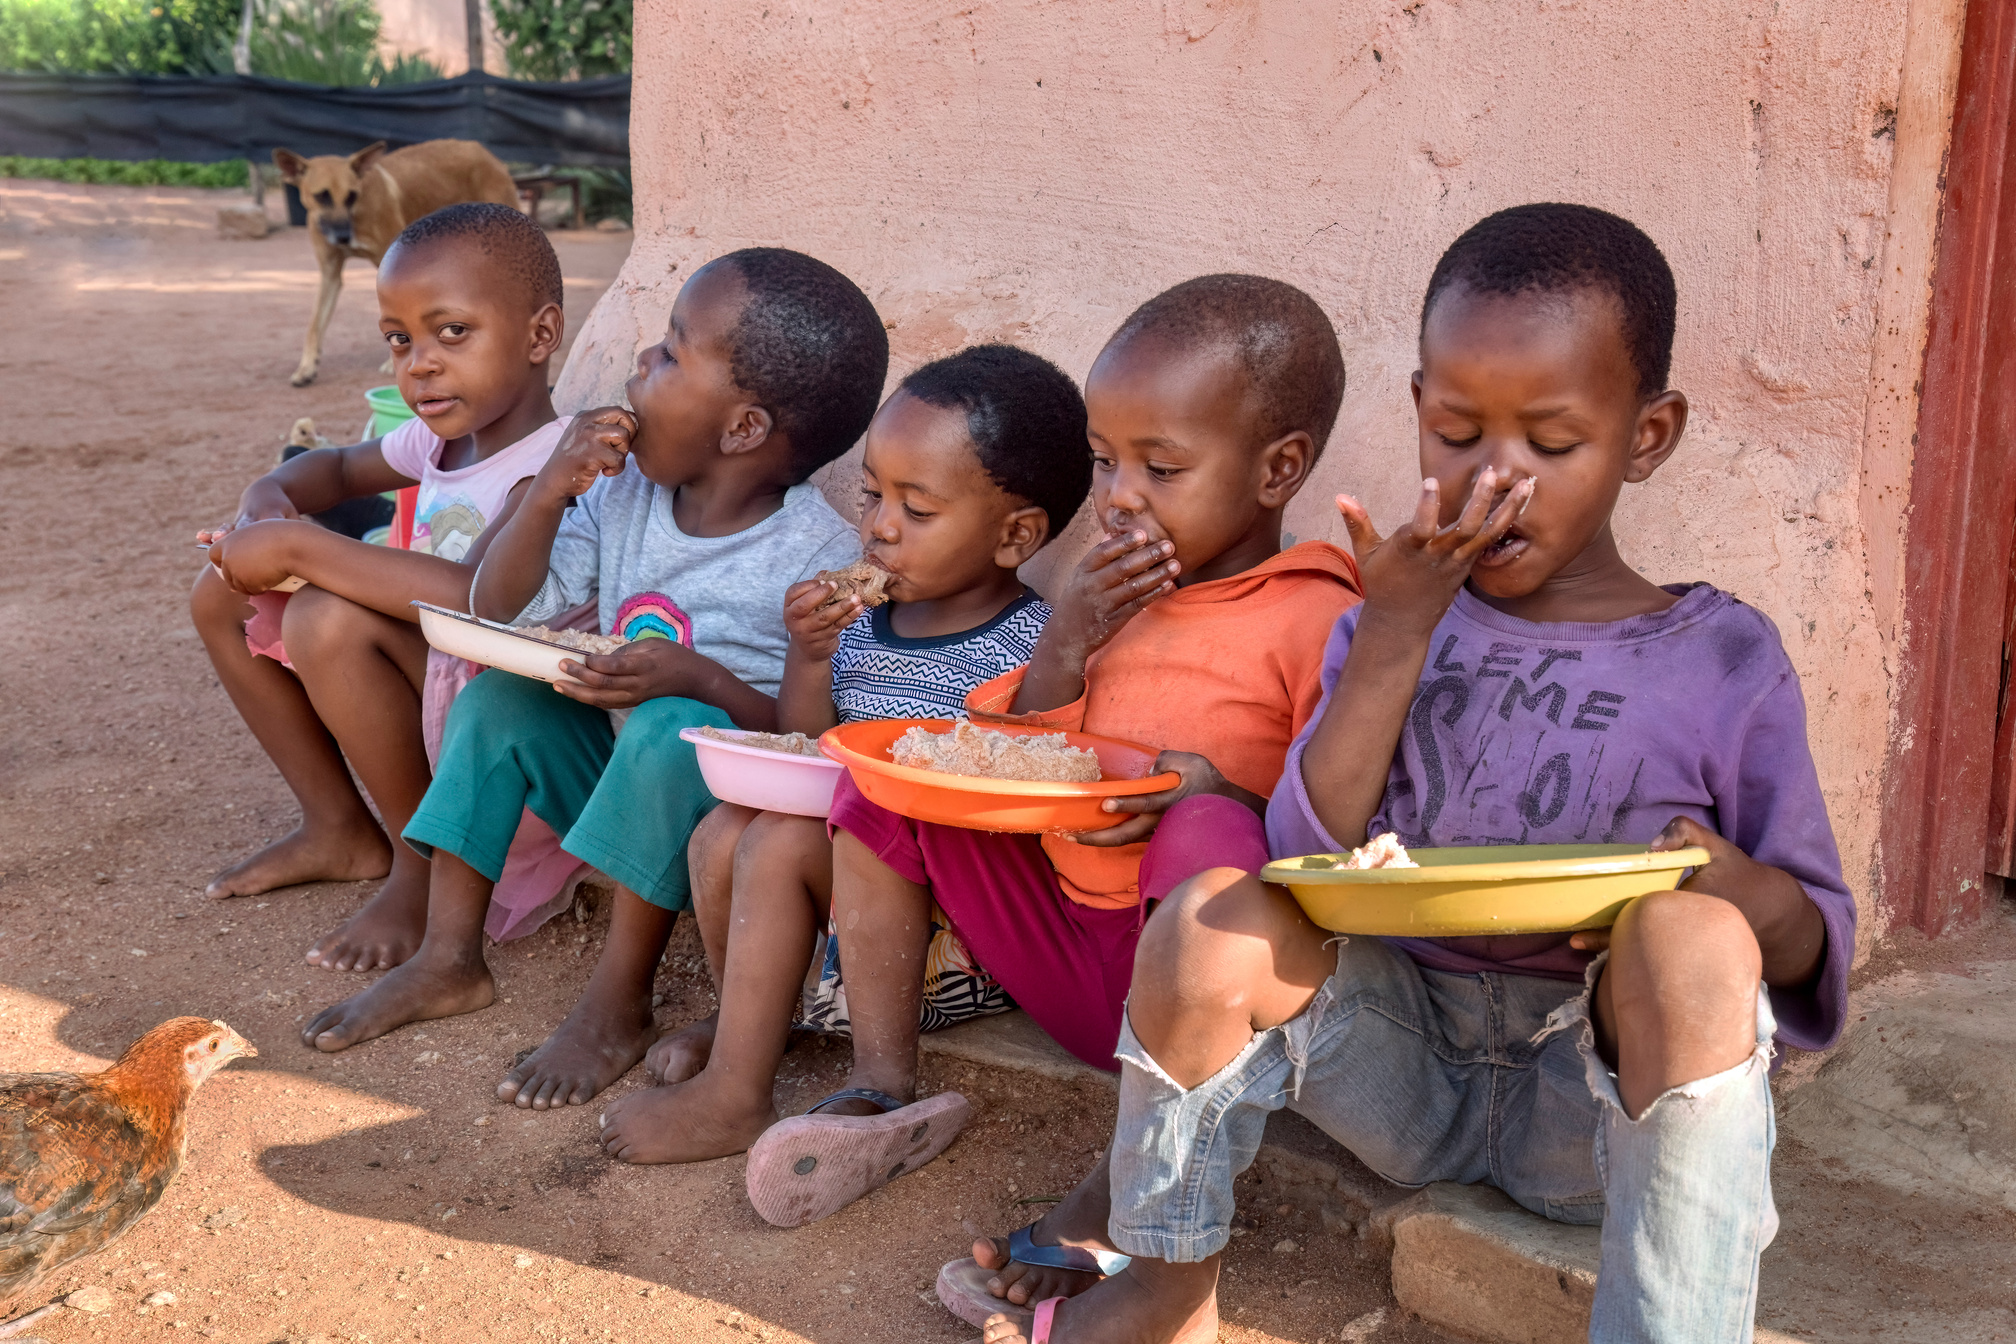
(464, 636)
(773, 781)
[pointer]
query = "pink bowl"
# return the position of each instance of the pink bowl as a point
(770, 780)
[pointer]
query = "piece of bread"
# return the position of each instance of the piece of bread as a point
(859, 579)
(987, 754)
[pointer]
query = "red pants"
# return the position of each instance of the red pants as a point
(1068, 965)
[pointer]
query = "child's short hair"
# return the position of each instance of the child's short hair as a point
(500, 233)
(811, 348)
(1554, 248)
(1026, 420)
(1281, 337)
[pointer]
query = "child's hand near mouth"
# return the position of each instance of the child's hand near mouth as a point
(1112, 585)
(1415, 573)
(814, 628)
(596, 444)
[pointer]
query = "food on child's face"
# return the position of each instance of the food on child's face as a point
(1381, 851)
(859, 580)
(582, 641)
(791, 744)
(967, 750)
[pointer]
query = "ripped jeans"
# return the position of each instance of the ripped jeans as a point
(1430, 1076)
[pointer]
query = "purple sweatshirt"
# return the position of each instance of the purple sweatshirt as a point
(1529, 733)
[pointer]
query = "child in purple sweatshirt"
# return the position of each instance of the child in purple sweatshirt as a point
(1509, 679)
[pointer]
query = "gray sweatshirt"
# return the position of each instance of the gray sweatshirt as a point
(720, 596)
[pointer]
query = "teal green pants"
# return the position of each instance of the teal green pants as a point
(625, 803)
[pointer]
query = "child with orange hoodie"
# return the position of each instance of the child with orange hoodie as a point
(1186, 628)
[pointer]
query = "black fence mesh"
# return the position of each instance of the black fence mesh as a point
(205, 118)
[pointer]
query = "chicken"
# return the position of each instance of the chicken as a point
(303, 436)
(82, 1159)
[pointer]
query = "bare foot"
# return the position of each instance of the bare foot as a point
(1150, 1302)
(594, 1047)
(685, 1122)
(385, 932)
(420, 990)
(1078, 1220)
(303, 855)
(681, 1054)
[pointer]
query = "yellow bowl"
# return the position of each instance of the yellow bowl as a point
(1481, 889)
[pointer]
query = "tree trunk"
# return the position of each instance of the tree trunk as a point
(474, 10)
(241, 50)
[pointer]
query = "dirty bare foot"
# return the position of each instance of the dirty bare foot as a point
(420, 990)
(683, 1122)
(385, 932)
(1078, 1220)
(601, 1039)
(320, 854)
(1150, 1302)
(679, 1055)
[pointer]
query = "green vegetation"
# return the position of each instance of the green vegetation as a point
(127, 37)
(564, 39)
(326, 42)
(312, 41)
(605, 192)
(148, 173)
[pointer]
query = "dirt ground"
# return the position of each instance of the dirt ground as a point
(379, 1195)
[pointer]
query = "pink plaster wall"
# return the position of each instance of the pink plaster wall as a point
(437, 30)
(1031, 170)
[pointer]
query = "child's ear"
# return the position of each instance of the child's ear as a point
(549, 325)
(1023, 533)
(1284, 468)
(748, 430)
(1660, 424)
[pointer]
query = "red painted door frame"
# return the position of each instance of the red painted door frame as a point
(1942, 781)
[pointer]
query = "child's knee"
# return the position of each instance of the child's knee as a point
(782, 834)
(1678, 954)
(316, 622)
(711, 849)
(1206, 929)
(1688, 932)
(664, 717)
(213, 604)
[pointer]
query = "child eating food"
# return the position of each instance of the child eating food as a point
(683, 520)
(971, 467)
(469, 299)
(1509, 679)
(1182, 630)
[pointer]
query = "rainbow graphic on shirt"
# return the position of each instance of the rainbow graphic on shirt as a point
(653, 616)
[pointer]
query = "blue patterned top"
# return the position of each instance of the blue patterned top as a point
(878, 674)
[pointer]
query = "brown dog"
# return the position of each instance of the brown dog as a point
(357, 206)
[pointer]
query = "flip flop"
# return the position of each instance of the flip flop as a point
(812, 1165)
(962, 1284)
(1046, 1316)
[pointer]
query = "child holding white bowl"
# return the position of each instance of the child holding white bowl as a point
(972, 466)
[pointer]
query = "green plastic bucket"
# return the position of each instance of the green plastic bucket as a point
(388, 410)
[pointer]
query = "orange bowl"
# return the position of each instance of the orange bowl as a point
(979, 804)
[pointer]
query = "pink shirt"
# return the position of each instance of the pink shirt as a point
(455, 506)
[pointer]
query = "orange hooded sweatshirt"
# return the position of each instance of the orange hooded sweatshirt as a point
(1229, 669)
